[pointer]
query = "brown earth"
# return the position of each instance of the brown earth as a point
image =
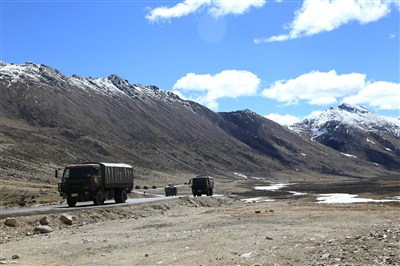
(19, 193)
(215, 231)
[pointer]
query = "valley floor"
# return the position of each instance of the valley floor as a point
(211, 231)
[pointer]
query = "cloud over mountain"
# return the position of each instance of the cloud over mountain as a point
(284, 120)
(207, 88)
(324, 88)
(383, 95)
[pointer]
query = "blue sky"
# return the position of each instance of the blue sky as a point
(281, 59)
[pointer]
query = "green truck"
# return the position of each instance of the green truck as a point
(202, 185)
(96, 182)
(170, 190)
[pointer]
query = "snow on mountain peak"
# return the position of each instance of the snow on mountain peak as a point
(353, 109)
(350, 116)
(34, 72)
(118, 81)
(111, 86)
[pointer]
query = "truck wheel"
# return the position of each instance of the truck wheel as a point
(117, 196)
(99, 198)
(120, 196)
(71, 201)
(211, 192)
(124, 196)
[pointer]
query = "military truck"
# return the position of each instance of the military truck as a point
(202, 185)
(171, 190)
(96, 181)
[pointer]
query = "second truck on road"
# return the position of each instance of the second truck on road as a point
(202, 185)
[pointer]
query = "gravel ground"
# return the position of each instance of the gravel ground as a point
(211, 231)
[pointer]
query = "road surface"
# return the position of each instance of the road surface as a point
(4, 213)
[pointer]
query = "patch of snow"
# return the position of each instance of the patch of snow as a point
(317, 132)
(295, 193)
(257, 200)
(273, 187)
(102, 86)
(241, 175)
(349, 155)
(29, 71)
(347, 198)
(394, 120)
(368, 140)
(17, 72)
(256, 178)
(388, 149)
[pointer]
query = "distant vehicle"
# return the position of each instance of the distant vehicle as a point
(202, 185)
(96, 181)
(170, 190)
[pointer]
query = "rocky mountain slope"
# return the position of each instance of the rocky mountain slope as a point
(49, 120)
(357, 133)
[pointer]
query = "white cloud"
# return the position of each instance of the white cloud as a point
(207, 89)
(317, 88)
(394, 120)
(235, 7)
(284, 120)
(316, 16)
(383, 95)
(314, 113)
(179, 94)
(217, 8)
(326, 88)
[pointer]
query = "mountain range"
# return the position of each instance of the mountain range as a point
(49, 120)
(355, 132)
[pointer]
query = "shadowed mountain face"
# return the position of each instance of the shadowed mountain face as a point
(49, 120)
(356, 132)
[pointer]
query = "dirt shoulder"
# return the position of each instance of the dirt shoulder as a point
(211, 231)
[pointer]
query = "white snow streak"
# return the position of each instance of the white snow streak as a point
(348, 198)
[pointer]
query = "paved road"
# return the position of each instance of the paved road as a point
(79, 206)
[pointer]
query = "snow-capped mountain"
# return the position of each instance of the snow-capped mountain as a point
(49, 120)
(356, 132)
(355, 117)
(112, 86)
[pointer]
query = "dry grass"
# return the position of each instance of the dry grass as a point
(25, 194)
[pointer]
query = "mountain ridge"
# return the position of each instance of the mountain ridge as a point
(49, 119)
(355, 131)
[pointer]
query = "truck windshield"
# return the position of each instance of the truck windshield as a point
(198, 181)
(82, 172)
